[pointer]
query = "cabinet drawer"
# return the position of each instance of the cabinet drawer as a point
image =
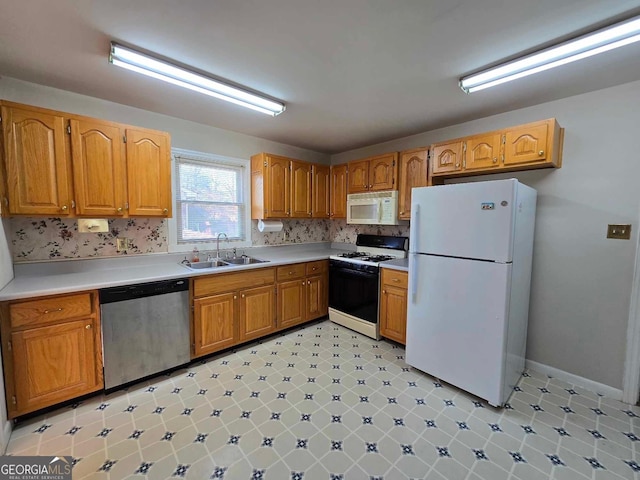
(395, 278)
(47, 310)
(320, 266)
(288, 272)
(228, 282)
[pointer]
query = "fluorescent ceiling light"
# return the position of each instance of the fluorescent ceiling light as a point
(139, 62)
(615, 36)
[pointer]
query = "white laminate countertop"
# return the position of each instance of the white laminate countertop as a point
(401, 264)
(51, 278)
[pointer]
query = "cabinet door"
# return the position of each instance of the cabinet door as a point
(317, 301)
(291, 302)
(338, 191)
(37, 162)
(320, 197)
(358, 177)
(99, 170)
(55, 363)
(148, 173)
(257, 312)
(393, 313)
(446, 158)
(383, 172)
(214, 323)
(483, 152)
(300, 189)
(277, 187)
(526, 144)
(413, 173)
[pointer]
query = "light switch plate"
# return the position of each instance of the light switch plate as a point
(618, 231)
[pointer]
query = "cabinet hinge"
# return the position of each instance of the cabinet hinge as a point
(504, 139)
(68, 129)
(464, 147)
(124, 139)
(265, 164)
(13, 399)
(393, 164)
(0, 119)
(9, 346)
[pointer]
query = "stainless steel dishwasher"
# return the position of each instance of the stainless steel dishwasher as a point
(145, 329)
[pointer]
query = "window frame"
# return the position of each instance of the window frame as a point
(172, 224)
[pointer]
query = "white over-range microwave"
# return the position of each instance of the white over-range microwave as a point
(373, 208)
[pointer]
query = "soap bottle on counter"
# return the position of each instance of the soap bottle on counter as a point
(195, 255)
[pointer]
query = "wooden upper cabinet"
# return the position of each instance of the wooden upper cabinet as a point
(37, 162)
(446, 157)
(358, 177)
(148, 172)
(99, 170)
(300, 189)
(524, 147)
(270, 186)
(413, 173)
(383, 172)
(483, 152)
(373, 174)
(60, 164)
(338, 204)
(320, 191)
(534, 143)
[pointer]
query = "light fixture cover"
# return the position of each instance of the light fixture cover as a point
(142, 63)
(614, 36)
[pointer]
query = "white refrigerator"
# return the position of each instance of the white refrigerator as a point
(470, 251)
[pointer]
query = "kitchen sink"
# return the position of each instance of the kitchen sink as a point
(243, 261)
(227, 262)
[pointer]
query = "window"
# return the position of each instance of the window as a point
(210, 199)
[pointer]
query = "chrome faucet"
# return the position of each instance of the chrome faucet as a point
(218, 243)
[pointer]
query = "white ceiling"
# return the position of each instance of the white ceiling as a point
(352, 72)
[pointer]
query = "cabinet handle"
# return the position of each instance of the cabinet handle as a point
(370, 185)
(235, 297)
(308, 282)
(119, 210)
(401, 213)
(384, 291)
(165, 210)
(290, 273)
(309, 213)
(243, 295)
(303, 282)
(54, 310)
(314, 268)
(64, 208)
(88, 327)
(395, 280)
(541, 153)
(495, 159)
(288, 213)
(457, 165)
(331, 214)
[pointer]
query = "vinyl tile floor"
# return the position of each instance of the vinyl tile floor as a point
(323, 402)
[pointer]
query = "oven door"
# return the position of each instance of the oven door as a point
(354, 292)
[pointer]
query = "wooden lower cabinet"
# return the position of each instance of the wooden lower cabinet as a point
(257, 312)
(50, 355)
(215, 326)
(303, 292)
(393, 305)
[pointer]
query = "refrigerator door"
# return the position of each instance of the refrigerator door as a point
(467, 220)
(457, 322)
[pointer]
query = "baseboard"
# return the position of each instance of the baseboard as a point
(6, 433)
(596, 387)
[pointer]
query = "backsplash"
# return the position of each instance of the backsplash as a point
(56, 238)
(343, 233)
(37, 239)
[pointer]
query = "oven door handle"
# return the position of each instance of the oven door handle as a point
(355, 273)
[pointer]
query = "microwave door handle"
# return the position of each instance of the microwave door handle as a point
(379, 210)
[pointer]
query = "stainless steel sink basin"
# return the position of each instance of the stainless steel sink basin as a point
(228, 262)
(203, 265)
(243, 261)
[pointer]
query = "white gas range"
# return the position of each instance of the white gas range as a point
(354, 281)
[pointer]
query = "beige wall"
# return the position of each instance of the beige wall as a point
(581, 283)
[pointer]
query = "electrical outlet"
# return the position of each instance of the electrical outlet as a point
(620, 232)
(123, 244)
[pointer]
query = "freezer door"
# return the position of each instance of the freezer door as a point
(457, 322)
(469, 220)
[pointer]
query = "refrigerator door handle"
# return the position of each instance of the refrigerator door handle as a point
(413, 272)
(414, 227)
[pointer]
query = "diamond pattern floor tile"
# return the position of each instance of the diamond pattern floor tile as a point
(323, 402)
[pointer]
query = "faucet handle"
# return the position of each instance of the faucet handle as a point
(235, 252)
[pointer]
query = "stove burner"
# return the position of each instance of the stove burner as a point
(377, 258)
(353, 255)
